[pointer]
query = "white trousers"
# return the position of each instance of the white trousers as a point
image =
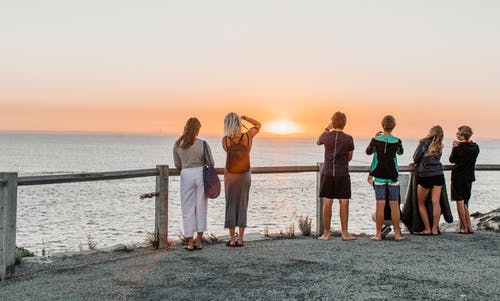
(193, 201)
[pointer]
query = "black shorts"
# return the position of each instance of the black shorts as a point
(429, 182)
(338, 187)
(461, 190)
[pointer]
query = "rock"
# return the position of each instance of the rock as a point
(490, 221)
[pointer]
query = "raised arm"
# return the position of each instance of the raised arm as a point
(256, 125)
(370, 149)
(327, 129)
(453, 153)
(400, 149)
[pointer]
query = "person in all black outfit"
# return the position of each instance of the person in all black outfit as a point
(463, 155)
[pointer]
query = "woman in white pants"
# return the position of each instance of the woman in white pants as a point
(189, 158)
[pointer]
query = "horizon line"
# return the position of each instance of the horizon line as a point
(265, 134)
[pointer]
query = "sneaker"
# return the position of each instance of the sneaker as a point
(386, 230)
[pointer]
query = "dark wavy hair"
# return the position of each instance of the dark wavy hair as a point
(191, 130)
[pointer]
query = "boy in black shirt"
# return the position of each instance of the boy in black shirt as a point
(464, 155)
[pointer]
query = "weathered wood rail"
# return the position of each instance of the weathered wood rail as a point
(10, 181)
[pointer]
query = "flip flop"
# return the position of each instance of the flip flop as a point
(423, 234)
(198, 248)
(240, 245)
(231, 245)
(189, 249)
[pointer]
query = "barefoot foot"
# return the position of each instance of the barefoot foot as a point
(348, 237)
(377, 237)
(324, 237)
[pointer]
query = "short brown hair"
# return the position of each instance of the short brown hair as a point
(339, 120)
(465, 131)
(388, 123)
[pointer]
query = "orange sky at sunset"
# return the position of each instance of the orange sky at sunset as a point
(135, 68)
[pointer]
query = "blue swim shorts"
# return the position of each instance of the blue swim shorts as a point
(386, 191)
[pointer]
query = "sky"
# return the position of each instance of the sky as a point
(146, 66)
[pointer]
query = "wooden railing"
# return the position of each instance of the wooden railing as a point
(10, 181)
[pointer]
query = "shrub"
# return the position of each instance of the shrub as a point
(305, 225)
(22, 252)
(91, 243)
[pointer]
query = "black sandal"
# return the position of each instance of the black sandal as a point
(231, 245)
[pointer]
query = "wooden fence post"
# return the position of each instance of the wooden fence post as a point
(404, 184)
(161, 207)
(319, 203)
(8, 209)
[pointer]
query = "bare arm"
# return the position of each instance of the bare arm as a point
(327, 129)
(256, 125)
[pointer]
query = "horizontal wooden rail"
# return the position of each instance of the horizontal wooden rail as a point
(85, 177)
(114, 175)
(10, 181)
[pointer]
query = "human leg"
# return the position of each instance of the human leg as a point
(461, 216)
(379, 219)
(464, 216)
(395, 216)
(421, 198)
(344, 218)
(188, 204)
(327, 218)
(241, 232)
(232, 240)
(200, 210)
(436, 208)
(241, 217)
(199, 238)
(232, 203)
(468, 224)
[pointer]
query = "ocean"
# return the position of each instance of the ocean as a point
(62, 217)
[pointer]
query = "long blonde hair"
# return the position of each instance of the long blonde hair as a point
(232, 124)
(191, 130)
(436, 137)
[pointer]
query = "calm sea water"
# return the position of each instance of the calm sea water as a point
(60, 217)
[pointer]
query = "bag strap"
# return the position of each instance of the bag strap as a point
(206, 157)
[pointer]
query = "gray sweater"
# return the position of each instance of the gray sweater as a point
(427, 166)
(192, 156)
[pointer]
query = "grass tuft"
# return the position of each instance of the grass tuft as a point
(22, 252)
(305, 225)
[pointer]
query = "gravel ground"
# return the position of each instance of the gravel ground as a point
(447, 267)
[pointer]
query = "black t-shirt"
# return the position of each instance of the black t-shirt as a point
(464, 156)
(337, 147)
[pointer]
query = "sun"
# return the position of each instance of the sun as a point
(282, 127)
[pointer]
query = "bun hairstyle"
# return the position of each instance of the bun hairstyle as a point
(232, 124)
(436, 136)
(191, 130)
